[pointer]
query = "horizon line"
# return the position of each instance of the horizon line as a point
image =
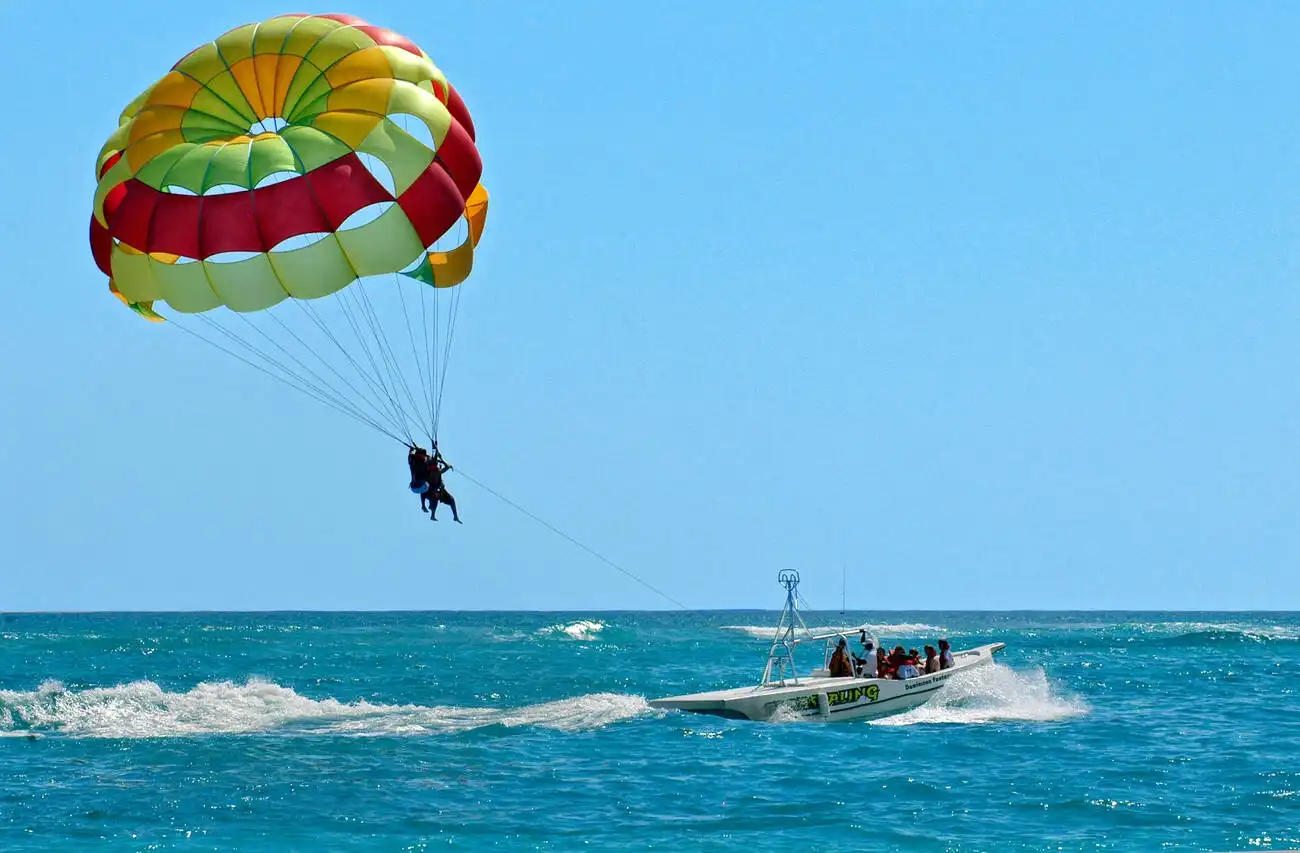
(274, 610)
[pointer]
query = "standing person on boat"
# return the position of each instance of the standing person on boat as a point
(869, 660)
(945, 655)
(840, 666)
(870, 663)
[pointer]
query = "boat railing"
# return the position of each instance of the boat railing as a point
(848, 635)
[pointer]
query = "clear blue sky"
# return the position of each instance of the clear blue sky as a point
(999, 306)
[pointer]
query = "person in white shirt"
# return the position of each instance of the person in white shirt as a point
(868, 668)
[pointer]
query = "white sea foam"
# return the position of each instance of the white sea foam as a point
(990, 694)
(902, 629)
(143, 709)
(583, 629)
(1247, 630)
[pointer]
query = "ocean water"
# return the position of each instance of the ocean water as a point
(526, 731)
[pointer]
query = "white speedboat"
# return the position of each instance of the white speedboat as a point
(819, 695)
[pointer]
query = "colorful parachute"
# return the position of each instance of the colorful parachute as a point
(290, 160)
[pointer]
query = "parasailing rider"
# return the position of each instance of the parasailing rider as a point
(417, 459)
(437, 488)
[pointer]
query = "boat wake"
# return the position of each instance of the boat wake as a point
(142, 709)
(991, 694)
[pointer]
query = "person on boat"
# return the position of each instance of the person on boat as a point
(869, 661)
(840, 666)
(897, 660)
(931, 660)
(417, 459)
(884, 667)
(436, 467)
(945, 655)
(908, 668)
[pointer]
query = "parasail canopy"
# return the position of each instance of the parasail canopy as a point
(301, 192)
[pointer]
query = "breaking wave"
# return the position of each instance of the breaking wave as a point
(907, 630)
(583, 629)
(991, 694)
(142, 709)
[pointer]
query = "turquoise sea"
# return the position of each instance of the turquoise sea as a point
(530, 731)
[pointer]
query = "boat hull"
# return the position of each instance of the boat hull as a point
(828, 699)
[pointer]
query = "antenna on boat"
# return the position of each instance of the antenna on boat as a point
(780, 656)
(844, 586)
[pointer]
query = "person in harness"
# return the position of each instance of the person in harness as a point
(437, 487)
(417, 459)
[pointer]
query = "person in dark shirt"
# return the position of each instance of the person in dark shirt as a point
(840, 666)
(417, 459)
(438, 487)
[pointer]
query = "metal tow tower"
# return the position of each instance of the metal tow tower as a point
(780, 657)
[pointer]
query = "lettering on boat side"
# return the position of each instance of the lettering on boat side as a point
(848, 696)
(853, 694)
(926, 681)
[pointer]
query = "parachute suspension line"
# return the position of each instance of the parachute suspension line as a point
(561, 533)
(433, 363)
(389, 394)
(335, 400)
(334, 393)
(397, 376)
(415, 352)
(353, 414)
(377, 378)
(311, 313)
(235, 338)
(360, 394)
(446, 356)
(395, 373)
(428, 358)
